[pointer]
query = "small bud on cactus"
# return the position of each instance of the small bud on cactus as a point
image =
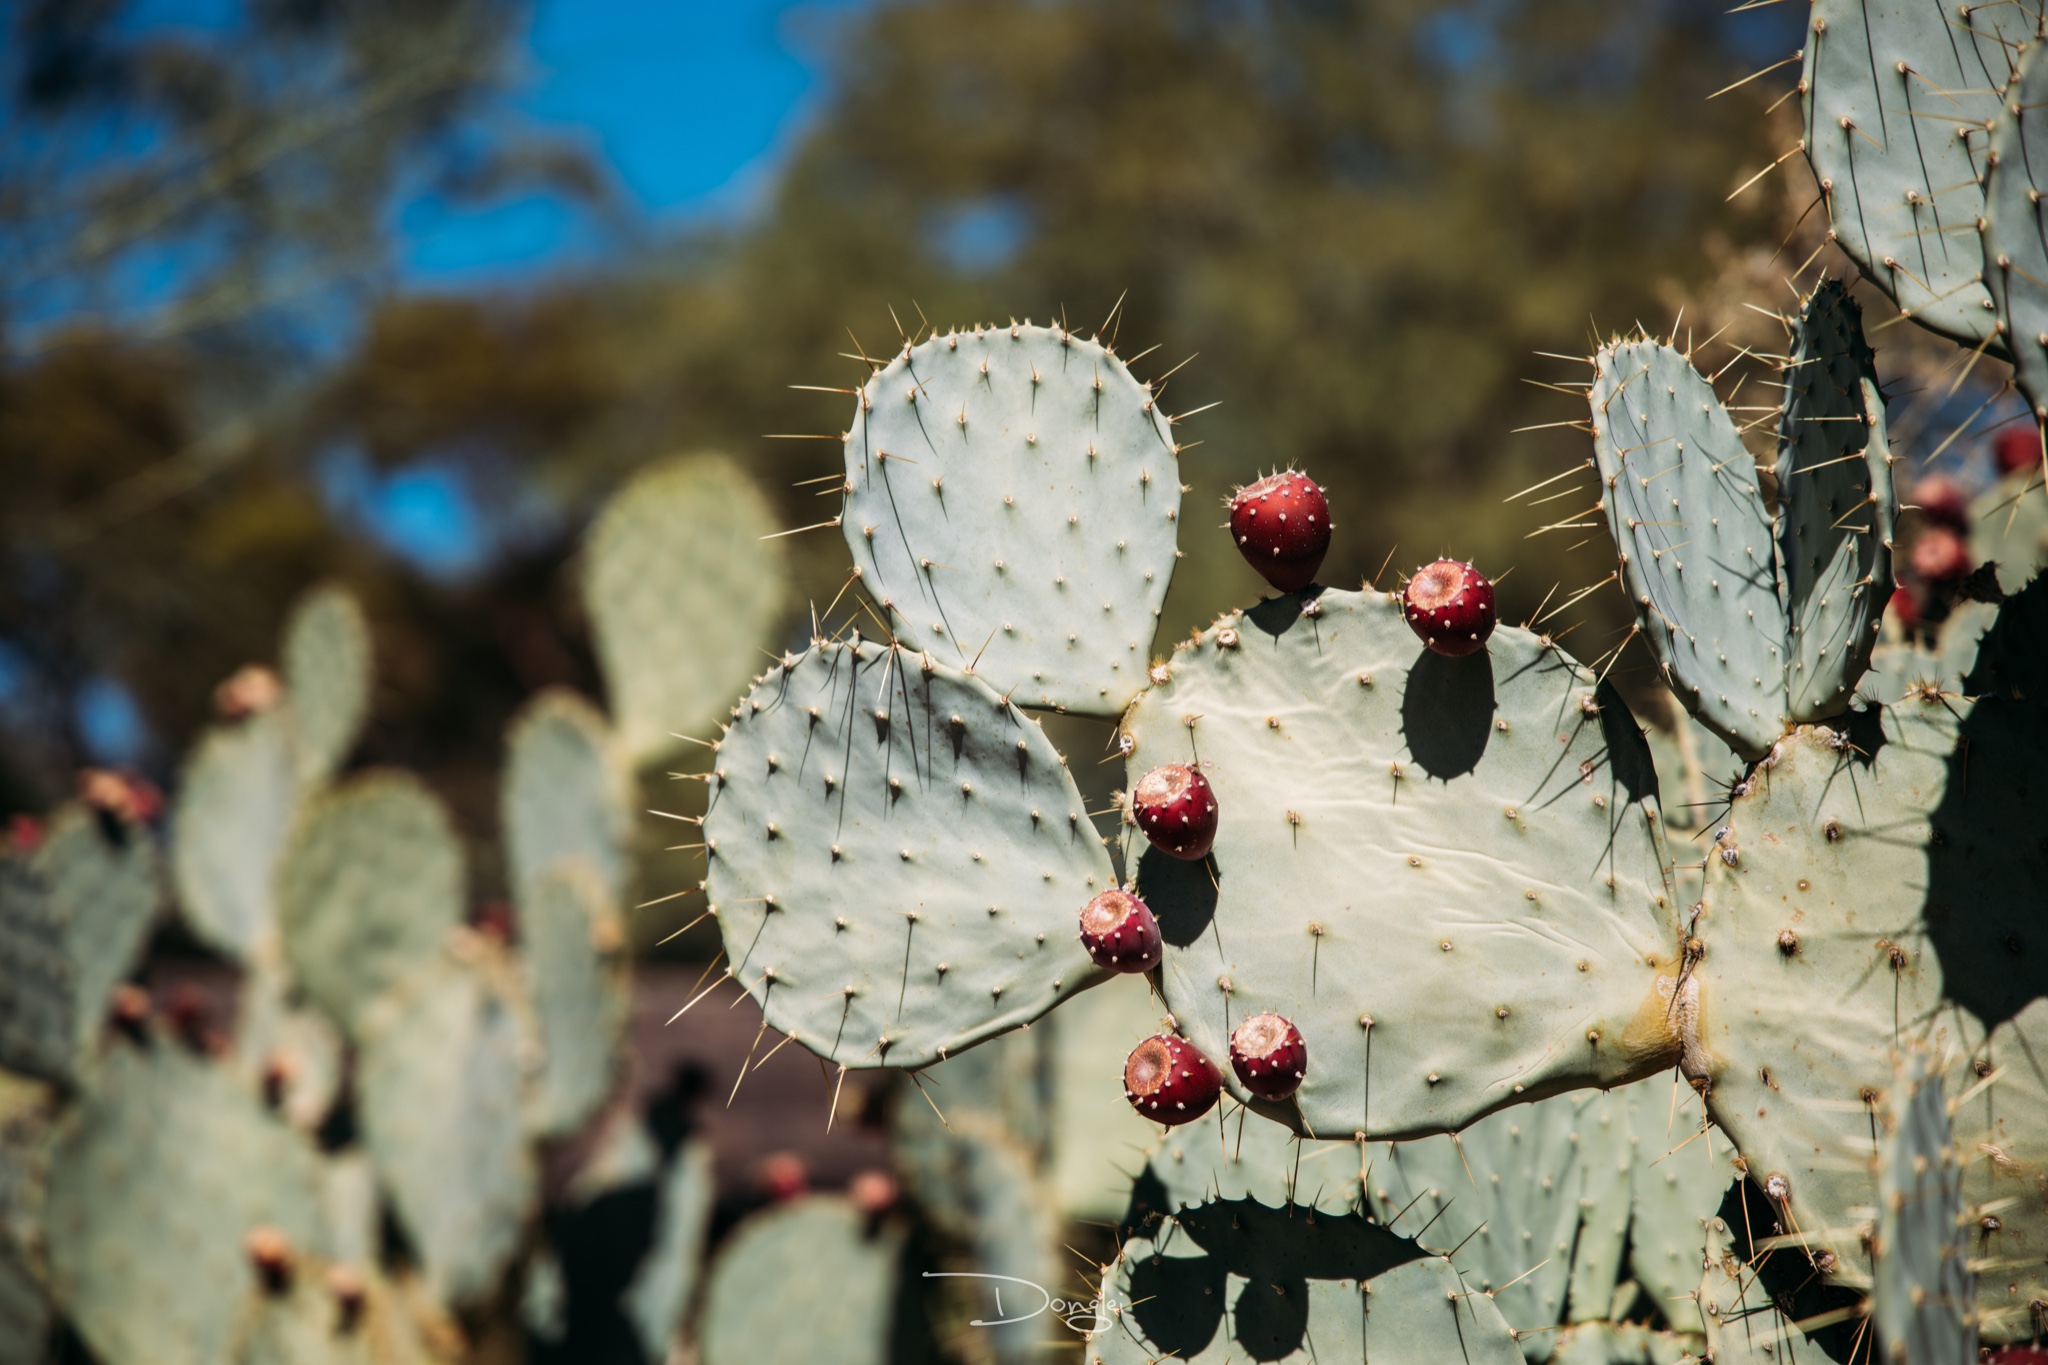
(345, 1283)
(24, 834)
(250, 690)
(1176, 808)
(1119, 932)
(279, 1070)
(1168, 1080)
(1282, 527)
(271, 1256)
(123, 796)
(1940, 556)
(1905, 609)
(1268, 1055)
(784, 1177)
(872, 1192)
(1942, 502)
(190, 1015)
(2017, 447)
(128, 1011)
(1450, 605)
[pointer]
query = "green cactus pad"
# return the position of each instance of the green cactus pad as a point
(1897, 93)
(1923, 1295)
(38, 1010)
(659, 1296)
(1623, 1343)
(106, 891)
(1876, 886)
(370, 886)
(2001, 652)
(1097, 1139)
(234, 810)
(1743, 1326)
(1237, 1280)
(174, 1146)
(1698, 557)
(1695, 767)
(2014, 258)
(300, 1326)
(1256, 1159)
(1002, 1087)
(576, 981)
(680, 588)
(1835, 511)
(806, 1282)
(302, 1045)
(1606, 1162)
(1449, 873)
(899, 858)
(564, 795)
(26, 1317)
(1678, 1176)
(1013, 495)
(440, 1090)
(327, 668)
(2009, 526)
(1011, 1229)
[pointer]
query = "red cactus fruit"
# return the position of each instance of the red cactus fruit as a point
(24, 833)
(1119, 932)
(1941, 501)
(1939, 555)
(1282, 527)
(1176, 807)
(345, 1285)
(2017, 447)
(128, 1012)
(1905, 609)
(190, 1015)
(784, 1176)
(1450, 605)
(873, 1192)
(271, 1256)
(2017, 1355)
(1268, 1055)
(1168, 1080)
(130, 799)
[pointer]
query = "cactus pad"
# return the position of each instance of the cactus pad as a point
(440, 1090)
(1923, 1294)
(234, 810)
(899, 857)
(829, 1282)
(1014, 494)
(327, 669)
(2014, 257)
(2009, 527)
(564, 795)
(1897, 96)
(172, 1144)
(371, 884)
(38, 1010)
(1390, 818)
(659, 1296)
(105, 890)
(1097, 1138)
(577, 984)
(680, 588)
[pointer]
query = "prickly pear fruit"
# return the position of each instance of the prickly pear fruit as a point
(1176, 808)
(2017, 448)
(1941, 502)
(1939, 555)
(1168, 1080)
(1450, 605)
(1268, 1055)
(1119, 932)
(270, 1255)
(1282, 527)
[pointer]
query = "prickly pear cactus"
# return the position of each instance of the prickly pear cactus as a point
(813, 1280)
(38, 1010)
(666, 1281)
(1623, 1343)
(370, 887)
(1012, 499)
(898, 857)
(1923, 1295)
(171, 1143)
(1897, 94)
(1743, 1325)
(102, 879)
(1389, 817)
(440, 1088)
(564, 795)
(2013, 257)
(1754, 625)
(2009, 527)
(327, 669)
(577, 986)
(1875, 886)
(680, 585)
(235, 804)
(1097, 1138)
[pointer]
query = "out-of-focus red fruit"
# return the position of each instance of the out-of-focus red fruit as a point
(1942, 502)
(190, 1015)
(345, 1284)
(493, 919)
(1904, 609)
(2017, 1355)
(1939, 555)
(250, 690)
(24, 833)
(128, 1011)
(784, 1177)
(1282, 528)
(130, 799)
(872, 1192)
(271, 1257)
(1449, 604)
(2017, 447)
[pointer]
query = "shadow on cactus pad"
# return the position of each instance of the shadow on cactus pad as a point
(1447, 712)
(1181, 895)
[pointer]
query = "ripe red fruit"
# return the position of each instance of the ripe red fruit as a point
(1942, 502)
(1119, 932)
(2017, 447)
(1904, 609)
(1282, 527)
(1168, 1080)
(2017, 1355)
(1939, 555)
(1268, 1055)
(1176, 807)
(1450, 605)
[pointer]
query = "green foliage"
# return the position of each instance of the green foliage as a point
(680, 587)
(1013, 501)
(170, 1143)
(1449, 873)
(371, 884)
(440, 1086)
(810, 1281)
(898, 857)
(1757, 635)
(1896, 96)
(1922, 1299)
